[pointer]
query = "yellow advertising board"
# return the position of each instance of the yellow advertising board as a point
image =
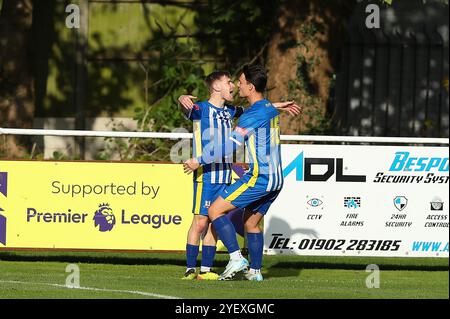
(94, 205)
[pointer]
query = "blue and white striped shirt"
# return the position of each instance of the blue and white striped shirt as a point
(259, 128)
(212, 126)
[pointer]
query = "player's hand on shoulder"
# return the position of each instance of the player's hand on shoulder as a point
(186, 101)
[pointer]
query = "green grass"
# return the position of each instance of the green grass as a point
(42, 275)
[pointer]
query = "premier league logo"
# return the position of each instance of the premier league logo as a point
(104, 218)
(400, 202)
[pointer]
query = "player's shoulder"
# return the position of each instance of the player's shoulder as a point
(266, 105)
(200, 106)
(264, 110)
(267, 110)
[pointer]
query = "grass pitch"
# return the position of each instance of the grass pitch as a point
(137, 275)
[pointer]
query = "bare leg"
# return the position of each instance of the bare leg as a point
(198, 226)
(218, 208)
(210, 238)
(251, 221)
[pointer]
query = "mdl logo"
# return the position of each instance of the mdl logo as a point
(334, 166)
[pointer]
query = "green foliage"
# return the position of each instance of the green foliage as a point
(178, 75)
(181, 71)
(302, 89)
(58, 156)
(236, 29)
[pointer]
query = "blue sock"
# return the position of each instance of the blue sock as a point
(191, 255)
(255, 242)
(208, 254)
(227, 233)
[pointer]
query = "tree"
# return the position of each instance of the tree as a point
(299, 42)
(302, 58)
(16, 81)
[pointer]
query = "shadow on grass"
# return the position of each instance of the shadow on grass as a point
(273, 268)
(176, 260)
(293, 268)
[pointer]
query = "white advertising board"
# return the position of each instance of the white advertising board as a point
(361, 201)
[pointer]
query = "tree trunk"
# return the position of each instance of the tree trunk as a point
(16, 80)
(303, 55)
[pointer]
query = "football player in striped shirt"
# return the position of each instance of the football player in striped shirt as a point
(259, 129)
(212, 125)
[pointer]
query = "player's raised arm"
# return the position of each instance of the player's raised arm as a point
(187, 101)
(186, 104)
(290, 106)
(190, 110)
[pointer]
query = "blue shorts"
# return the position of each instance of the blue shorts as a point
(255, 199)
(204, 195)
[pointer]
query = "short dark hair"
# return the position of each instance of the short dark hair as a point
(216, 75)
(256, 75)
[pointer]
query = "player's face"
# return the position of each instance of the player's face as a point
(244, 86)
(227, 88)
